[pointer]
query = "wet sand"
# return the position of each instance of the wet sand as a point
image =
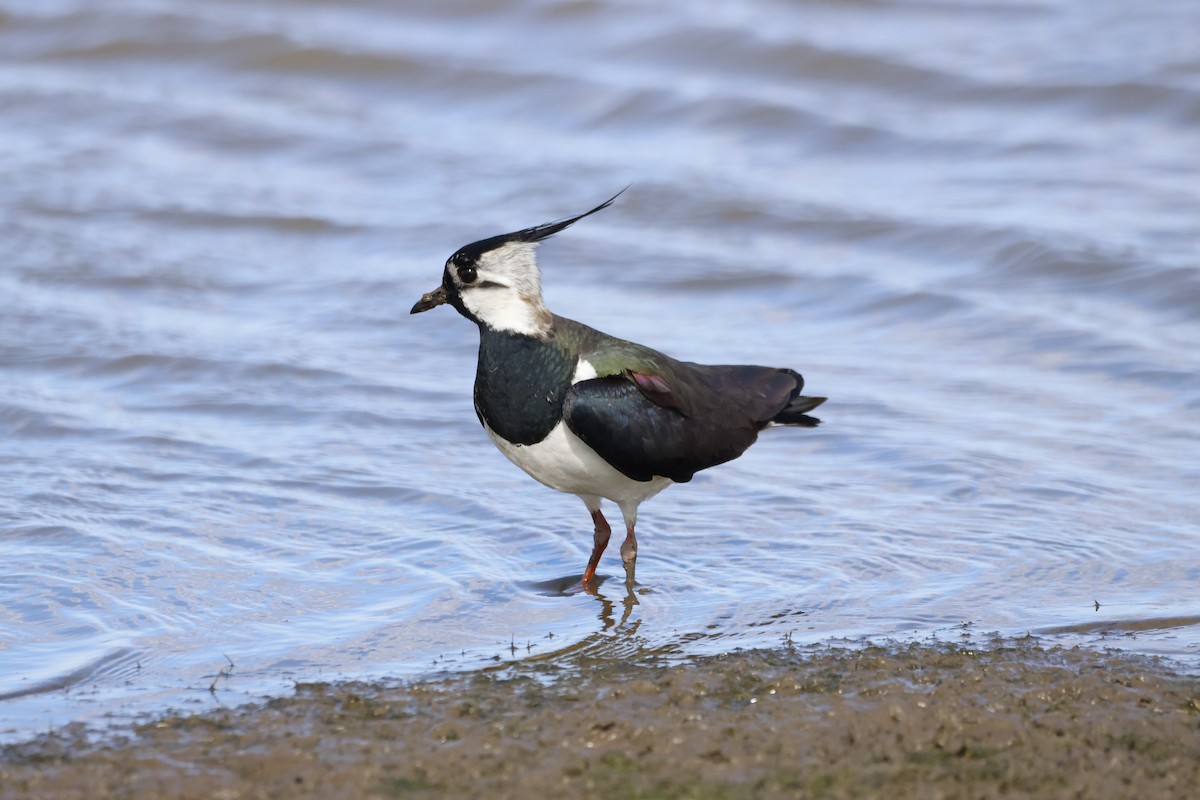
(1005, 719)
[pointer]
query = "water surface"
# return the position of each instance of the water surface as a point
(223, 440)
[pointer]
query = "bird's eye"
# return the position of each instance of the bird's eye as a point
(467, 274)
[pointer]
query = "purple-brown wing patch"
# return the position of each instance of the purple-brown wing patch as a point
(656, 390)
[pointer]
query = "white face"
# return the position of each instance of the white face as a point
(503, 289)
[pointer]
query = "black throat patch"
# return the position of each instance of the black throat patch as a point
(520, 383)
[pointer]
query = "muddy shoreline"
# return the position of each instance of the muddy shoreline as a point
(1008, 718)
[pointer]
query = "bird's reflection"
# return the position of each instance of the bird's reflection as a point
(616, 601)
(608, 608)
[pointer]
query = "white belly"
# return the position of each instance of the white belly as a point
(563, 462)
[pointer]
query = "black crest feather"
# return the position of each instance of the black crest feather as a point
(473, 251)
(539, 232)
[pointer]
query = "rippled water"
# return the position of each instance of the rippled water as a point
(972, 225)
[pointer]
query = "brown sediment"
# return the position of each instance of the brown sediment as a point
(902, 721)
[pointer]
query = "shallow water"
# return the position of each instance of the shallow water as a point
(226, 441)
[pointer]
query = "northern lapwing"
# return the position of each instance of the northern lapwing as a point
(590, 414)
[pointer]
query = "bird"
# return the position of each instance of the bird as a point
(590, 414)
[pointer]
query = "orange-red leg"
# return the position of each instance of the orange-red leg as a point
(603, 532)
(629, 553)
(629, 547)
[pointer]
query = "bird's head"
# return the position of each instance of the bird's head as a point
(496, 282)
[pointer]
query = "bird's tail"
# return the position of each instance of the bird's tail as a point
(796, 411)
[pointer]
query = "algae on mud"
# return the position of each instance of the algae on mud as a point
(1012, 718)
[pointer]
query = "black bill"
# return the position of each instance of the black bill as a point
(430, 300)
